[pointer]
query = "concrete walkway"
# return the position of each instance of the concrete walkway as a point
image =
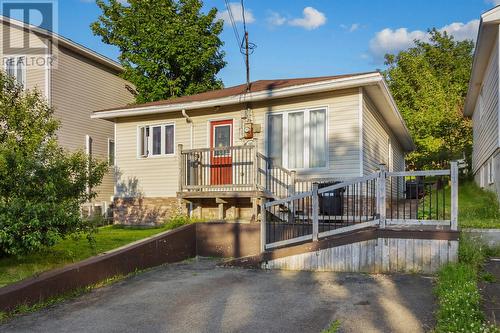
(197, 296)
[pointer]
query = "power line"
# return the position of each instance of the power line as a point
(233, 24)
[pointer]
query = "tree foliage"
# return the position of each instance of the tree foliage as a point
(168, 48)
(41, 185)
(429, 83)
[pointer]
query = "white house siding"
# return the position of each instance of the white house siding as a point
(376, 138)
(158, 176)
(485, 117)
(80, 86)
(35, 74)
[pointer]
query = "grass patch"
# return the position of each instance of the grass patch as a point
(70, 250)
(458, 294)
(333, 328)
(477, 208)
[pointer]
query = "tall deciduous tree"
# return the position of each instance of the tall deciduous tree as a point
(168, 48)
(429, 83)
(41, 185)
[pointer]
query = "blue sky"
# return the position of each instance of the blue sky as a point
(310, 38)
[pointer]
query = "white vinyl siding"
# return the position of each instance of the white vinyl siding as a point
(158, 177)
(33, 74)
(80, 86)
(485, 116)
(380, 145)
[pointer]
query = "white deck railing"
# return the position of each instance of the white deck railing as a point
(428, 198)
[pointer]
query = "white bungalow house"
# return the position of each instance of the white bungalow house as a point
(216, 154)
(482, 103)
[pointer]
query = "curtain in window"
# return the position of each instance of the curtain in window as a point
(317, 141)
(169, 139)
(275, 139)
(157, 140)
(296, 140)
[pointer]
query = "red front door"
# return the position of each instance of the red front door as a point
(221, 160)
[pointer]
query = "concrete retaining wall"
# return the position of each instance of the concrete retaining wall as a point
(491, 237)
(204, 239)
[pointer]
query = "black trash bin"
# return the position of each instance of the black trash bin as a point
(414, 188)
(332, 202)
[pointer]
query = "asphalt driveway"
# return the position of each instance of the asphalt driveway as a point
(197, 296)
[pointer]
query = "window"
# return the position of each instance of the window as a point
(491, 171)
(111, 152)
(275, 139)
(317, 143)
(16, 68)
(222, 138)
(481, 177)
(156, 140)
(298, 139)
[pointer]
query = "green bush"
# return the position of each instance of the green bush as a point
(41, 185)
(179, 221)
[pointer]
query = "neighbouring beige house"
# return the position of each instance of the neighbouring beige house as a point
(219, 154)
(482, 103)
(75, 81)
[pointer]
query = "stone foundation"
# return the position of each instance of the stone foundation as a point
(146, 211)
(240, 209)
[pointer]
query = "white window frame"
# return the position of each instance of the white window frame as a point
(16, 62)
(307, 129)
(150, 141)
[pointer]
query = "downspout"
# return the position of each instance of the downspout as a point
(190, 122)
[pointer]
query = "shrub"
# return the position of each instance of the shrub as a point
(41, 185)
(179, 221)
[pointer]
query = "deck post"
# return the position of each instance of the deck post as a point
(255, 162)
(263, 227)
(381, 196)
(181, 171)
(454, 195)
(293, 180)
(315, 212)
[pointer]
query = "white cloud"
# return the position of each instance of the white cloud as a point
(393, 41)
(462, 31)
(312, 19)
(276, 19)
(353, 27)
(494, 2)
(237, 11)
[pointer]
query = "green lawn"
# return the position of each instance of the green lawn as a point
(477, 208)
(13, 269)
